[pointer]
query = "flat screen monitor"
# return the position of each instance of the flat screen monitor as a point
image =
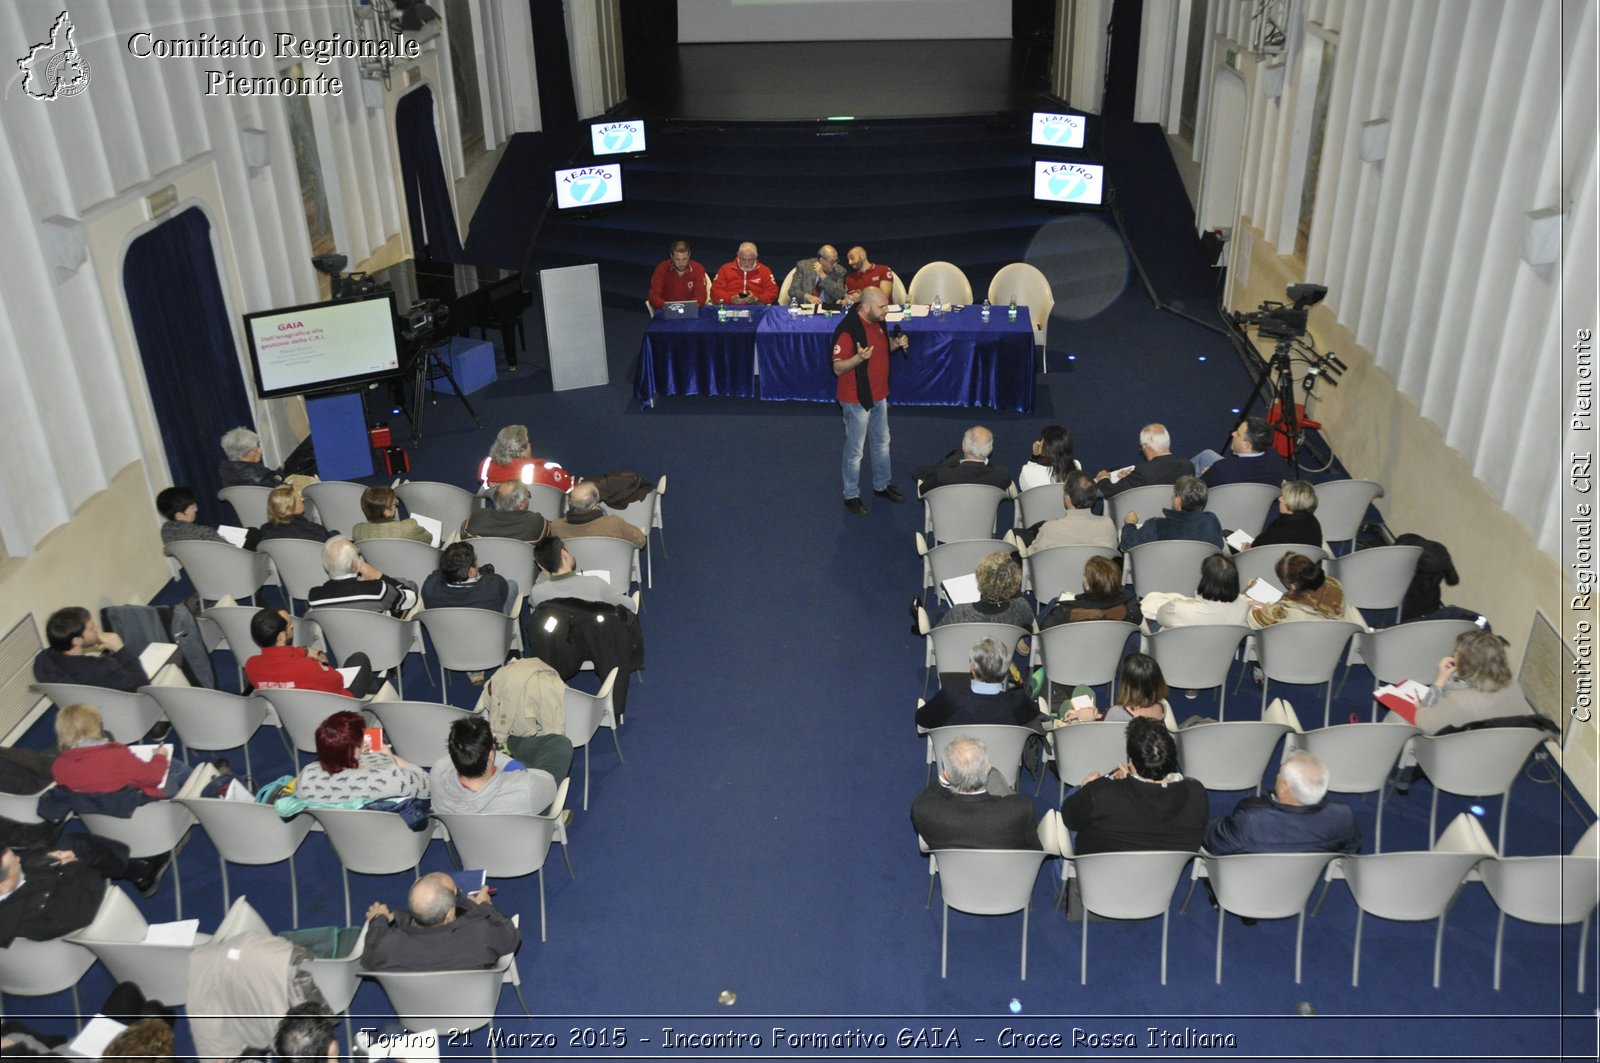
(1058, 130)
(624, 137)
(1078, 183)
(323, 345)
(589, 186)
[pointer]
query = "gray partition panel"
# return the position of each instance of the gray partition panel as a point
(574, 326)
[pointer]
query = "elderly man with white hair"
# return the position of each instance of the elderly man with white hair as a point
(969, 465)
(585, 517)
(1296, 818)
(1160, 465)
(244, 465)
(354, 584)
(959, 810)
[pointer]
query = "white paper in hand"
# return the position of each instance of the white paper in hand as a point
(430, 525)
(962, 590)
(1263, 593)
(1240, 539)
(231, 535)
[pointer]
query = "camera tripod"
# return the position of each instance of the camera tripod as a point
(430, 366)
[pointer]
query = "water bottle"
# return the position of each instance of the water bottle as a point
(938, 305)
(722, 311)
(1011, 311)
(986, 311)
(794, 306)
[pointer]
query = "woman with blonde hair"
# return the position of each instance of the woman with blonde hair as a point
(1296, 521)
(1472, 685)
(286, 519)
(92, 762)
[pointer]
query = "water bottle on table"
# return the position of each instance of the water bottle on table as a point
(1011, 311)
(938, 305)
(986, 311)
(722, 311)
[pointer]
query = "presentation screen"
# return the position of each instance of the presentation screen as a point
(1058, 130)
(1080, 183)
(746, 21)
(617, 138)
(323, 345)
(588, 186)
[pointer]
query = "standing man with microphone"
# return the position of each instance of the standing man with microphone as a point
(861, 364)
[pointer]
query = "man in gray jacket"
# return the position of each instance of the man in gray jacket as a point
(820, 279)
(474, 779)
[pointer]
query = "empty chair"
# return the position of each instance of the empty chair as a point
(1087, 747)
(1171, 565)
(371, 843)
(1406, 651)
(211, 720)
(1058, 570)
(1229, 756)
(1133, 885)
(783, 289)
(1359, 758)
(986, 882)
(1260, 562)
(418, 731)
(249, 504)
(338, 504)
(1553, 890)
(940, 280)
(1342, 506)
(1147, 502)
(125, 715)
(1039, 504)
(386, 640)
(1242, 507)
(298, 563)
(41, 968)
(219, 570)
(617, 558)
(154, 828)
(117, 938)
(1477, 763)
(645, 514)
(508, 846)
(1030, 288)
(1409, 887)
(402, 558)
(467, 640)
(511, 558)
(1087, 652)
(1004, 741)
(1265, 886)
(962, 511)
(446, 503)
(245, 832)
(1305, 652)
(1198, 656)
(949, 560)
(1376, 578)
(548, 500)
(586, 714)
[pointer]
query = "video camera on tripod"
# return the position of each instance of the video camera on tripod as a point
(1285, 324)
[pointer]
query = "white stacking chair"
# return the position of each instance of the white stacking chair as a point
(548, 501)
(1082, 748)
(116, 936)
(950, 645)
(645, 514)
(1260, 562)
(941, 280)
(1359, 758)
(1477, 763)
(1087, 652)
(245, 832)
(371, 843)
(154, 828)
(298, 563)
(301, 712)
(212, 720)
(586, 714)
(948, 560)
(386, 640)
(1037, 504)
(1030, 288)
(1242, 507)
(1147, 501)
(1264, 886)
(1406, 651)
(1229, 756)
(468, 640)
(338, 978)
(1552, 890)
(1171, 565)
(1131, 885)
(221, 570)
(1198, 657)
(617, 558)
(126, 715)
(787, 286)
(43, 968)
(459, 1001)
(402, 558)
(337, 504)
(509, 846)
(511, 558)
(1408, 886)
(962, 511)
(249, 503)
(418, 731)
(1305, 652)
(1376, 578)
(446, 503)
(986, 882)
(1342, 506)
(1058, 570)
(1005, 743)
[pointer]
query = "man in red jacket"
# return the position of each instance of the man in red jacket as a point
(281, 665)
(679, 279)
(744, 280)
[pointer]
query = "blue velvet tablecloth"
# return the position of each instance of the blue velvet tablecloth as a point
(955, 359)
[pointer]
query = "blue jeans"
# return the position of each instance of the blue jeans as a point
(863, 426)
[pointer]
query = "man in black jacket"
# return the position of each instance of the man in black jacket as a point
(969, 465)
(1160, 465)
(440, 933)
(957, 811)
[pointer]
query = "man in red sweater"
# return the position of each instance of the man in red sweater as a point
(281, 665)
(744, 280)
(679, 279)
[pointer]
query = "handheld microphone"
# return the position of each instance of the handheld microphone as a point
(896, 333)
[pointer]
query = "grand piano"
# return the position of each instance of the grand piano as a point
(475, 297)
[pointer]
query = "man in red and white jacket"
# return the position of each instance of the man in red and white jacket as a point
(281, 665)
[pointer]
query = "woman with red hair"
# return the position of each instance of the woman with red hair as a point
(345, 771)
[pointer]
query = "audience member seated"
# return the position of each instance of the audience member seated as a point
(1160, 465)
(309, 1033)
(381, 507)
(1141, 694)
(508, 517)
(77, 651)
(865, 273)
(511, 460)
(354, 584)
(1251, 461)
(744, 280)
(286, 519)
(819, 280)
(679, 279)
(1143, 804)
(1309, 594)
(440, 932)
(1000, 598)
(1187, 519)
(1296, 818)
(1296, 521)
(988, 701)
(959, 811)
(969, 465)
(1080, 526)
(1051, 460)
(479, 779)
(148, 1041)
(1473, 685)
(562, 580)
(461, 584)
(244, 466)
(1104, 597)
(180, 510)
(585, 517)
(281, 665)
(45, 895)
(91, 762)
(1216, 601)
(347, 771)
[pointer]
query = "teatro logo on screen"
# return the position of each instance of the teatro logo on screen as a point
(589, 186)
(1067, 182)
(617, 138)
(1058, 130)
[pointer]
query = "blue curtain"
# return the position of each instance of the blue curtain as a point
(433, 220)
(186, 343)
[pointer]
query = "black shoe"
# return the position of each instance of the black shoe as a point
(1247, 920)
(1400, 780)
(160, 731)
(856, 506)
(147, 874)
(892, 493)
